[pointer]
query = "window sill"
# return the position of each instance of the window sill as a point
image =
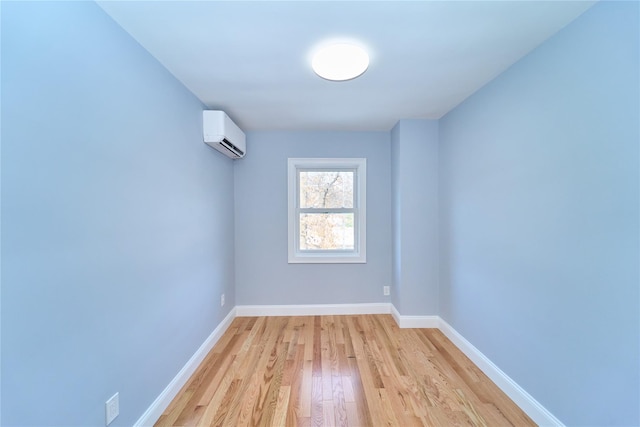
(327, 259)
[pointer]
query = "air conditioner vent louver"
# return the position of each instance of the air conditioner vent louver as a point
(222, 134)
(229, 146)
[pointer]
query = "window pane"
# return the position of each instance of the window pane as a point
(326, 189)
(326, 232)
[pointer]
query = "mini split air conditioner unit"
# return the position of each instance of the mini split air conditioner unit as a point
(222, 134)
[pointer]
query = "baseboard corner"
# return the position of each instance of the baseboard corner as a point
(418, 322)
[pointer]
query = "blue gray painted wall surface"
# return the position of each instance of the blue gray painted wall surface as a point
(396, 226)
(414, 183)
(263, 275)
(539, 219)
(117, 221)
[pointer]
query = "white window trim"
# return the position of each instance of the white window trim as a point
(359, 255)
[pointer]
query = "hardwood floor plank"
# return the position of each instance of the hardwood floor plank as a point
(248, 355)
(316, 402)
(294, 410)
(207, 379)
(259, 400)
(359, 370)
(317, 346)
(362, 405)
(173, 411)
(272, 379)
(347, 389)
(387, 415)
(280, 416)
(325, 361)
(387, 339)
(339, 404)
(328, 415)
(307, 338)
(369, 385)
(229, 396)
(306, 390)
(242, 407)
(210, 384)
(352, 415)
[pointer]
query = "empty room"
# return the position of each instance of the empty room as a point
(205, 223)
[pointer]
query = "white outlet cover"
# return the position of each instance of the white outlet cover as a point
(222, 300)
(112, 408)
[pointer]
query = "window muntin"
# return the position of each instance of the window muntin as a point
(326, 210)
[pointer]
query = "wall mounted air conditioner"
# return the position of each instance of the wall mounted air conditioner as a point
(222, 134)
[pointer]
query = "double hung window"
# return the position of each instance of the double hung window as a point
(327, 210)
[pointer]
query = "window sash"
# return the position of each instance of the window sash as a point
(354, 189)
(356, 229)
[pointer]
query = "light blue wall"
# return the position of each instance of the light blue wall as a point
(396, 225)
(539, 219)
(414, 183)
(117, 221)
(263, 275)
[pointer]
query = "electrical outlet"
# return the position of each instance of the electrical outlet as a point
(222, 300)
(386, 290)
(112, 407)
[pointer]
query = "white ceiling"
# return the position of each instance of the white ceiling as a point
(252, 59)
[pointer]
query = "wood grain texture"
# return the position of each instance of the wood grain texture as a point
(338, 371)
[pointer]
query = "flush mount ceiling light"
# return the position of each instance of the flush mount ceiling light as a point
(340, 61)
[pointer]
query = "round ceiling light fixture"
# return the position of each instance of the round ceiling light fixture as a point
(340, 61)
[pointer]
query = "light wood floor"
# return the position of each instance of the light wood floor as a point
(338, 370)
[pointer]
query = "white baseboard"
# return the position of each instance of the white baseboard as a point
(414, 321)
(153, 413)
(524, 400)
(312, 309)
